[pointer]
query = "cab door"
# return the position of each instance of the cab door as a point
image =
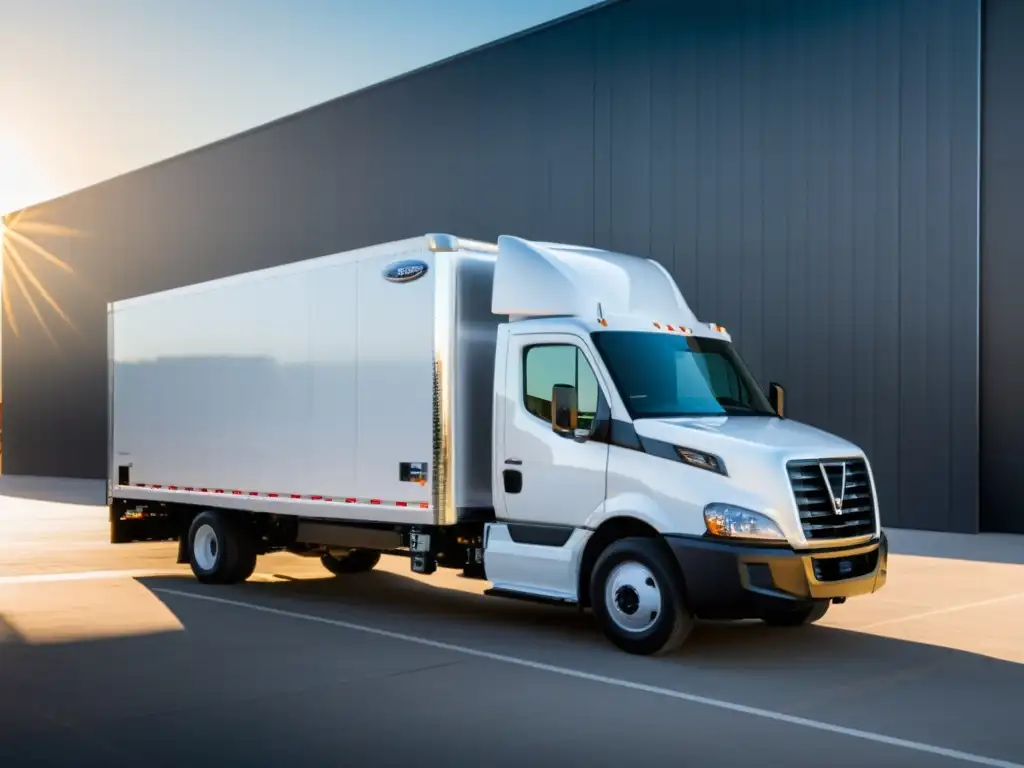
(550, 480)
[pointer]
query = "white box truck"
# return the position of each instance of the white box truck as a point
(551, 418)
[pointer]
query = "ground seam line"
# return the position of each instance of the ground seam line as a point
(940, 611)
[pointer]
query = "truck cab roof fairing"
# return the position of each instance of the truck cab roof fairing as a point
(534, 279)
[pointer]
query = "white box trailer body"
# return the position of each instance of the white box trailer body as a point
(321, 389)
(550, 417)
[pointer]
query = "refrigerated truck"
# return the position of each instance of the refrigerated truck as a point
(551, 418)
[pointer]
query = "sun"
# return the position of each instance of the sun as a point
(22, 180)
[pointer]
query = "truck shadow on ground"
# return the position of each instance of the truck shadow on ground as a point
(9, 634)
(405, 604)
(177, 694)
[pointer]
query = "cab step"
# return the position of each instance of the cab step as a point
(528, 597)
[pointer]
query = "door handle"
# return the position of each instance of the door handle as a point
(514, 462)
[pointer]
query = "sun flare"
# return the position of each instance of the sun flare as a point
(27, 242)
(22, 180)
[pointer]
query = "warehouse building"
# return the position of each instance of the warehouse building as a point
(838, 183)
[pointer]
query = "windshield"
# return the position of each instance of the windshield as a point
(661, 375)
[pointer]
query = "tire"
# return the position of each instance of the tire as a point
(796, 617)
(220, 550)
(356, 561)
(633, 576)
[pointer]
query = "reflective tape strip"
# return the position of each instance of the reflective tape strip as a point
(289, 496)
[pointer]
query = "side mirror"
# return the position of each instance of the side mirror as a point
(563, 409)
(777, 398)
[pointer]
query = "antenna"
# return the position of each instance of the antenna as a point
(600, 312)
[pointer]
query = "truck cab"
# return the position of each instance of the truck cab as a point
(639, 469)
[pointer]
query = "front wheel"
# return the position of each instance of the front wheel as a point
(796, 617)
(638, 599)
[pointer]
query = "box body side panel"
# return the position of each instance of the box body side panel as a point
(306, 384)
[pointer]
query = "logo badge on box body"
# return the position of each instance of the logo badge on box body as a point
(405, 271)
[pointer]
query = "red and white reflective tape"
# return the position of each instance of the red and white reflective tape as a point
(288, 496)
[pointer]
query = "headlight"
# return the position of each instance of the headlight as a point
(701, 460)
(739, 523)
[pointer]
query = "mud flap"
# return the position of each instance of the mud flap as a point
(132, 521)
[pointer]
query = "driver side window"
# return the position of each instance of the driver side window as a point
(546, 365)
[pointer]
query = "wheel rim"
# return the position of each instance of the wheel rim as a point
(205, 547)
(632, 597)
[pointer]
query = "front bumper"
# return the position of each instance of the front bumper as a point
(735, 580)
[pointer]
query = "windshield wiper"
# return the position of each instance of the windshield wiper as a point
(728, 402)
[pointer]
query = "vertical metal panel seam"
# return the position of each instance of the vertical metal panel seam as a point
(652, 62)
(762, 196)
(593, 128)
(951, 68)
(674, 152)
(979, 83)
(899, 256)
(698, 116)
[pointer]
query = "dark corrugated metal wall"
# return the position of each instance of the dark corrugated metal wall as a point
(807, 170)
(1002, 267)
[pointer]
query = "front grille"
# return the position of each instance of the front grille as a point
(819, 515)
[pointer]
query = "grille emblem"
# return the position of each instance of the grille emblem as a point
(835, 480)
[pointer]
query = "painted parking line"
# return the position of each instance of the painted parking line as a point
(47, 578)
(108, 575)
(768, 714)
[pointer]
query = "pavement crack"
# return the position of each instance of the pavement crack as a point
(426, 668)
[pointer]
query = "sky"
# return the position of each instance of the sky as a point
(90, 89)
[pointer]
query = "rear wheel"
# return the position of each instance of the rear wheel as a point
(637, 597)
(220, 550)
(356, 561)
(796, 617)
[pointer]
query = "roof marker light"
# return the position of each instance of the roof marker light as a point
(658, 326)
(717, 327)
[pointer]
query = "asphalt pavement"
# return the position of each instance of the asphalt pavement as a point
(113, 655)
